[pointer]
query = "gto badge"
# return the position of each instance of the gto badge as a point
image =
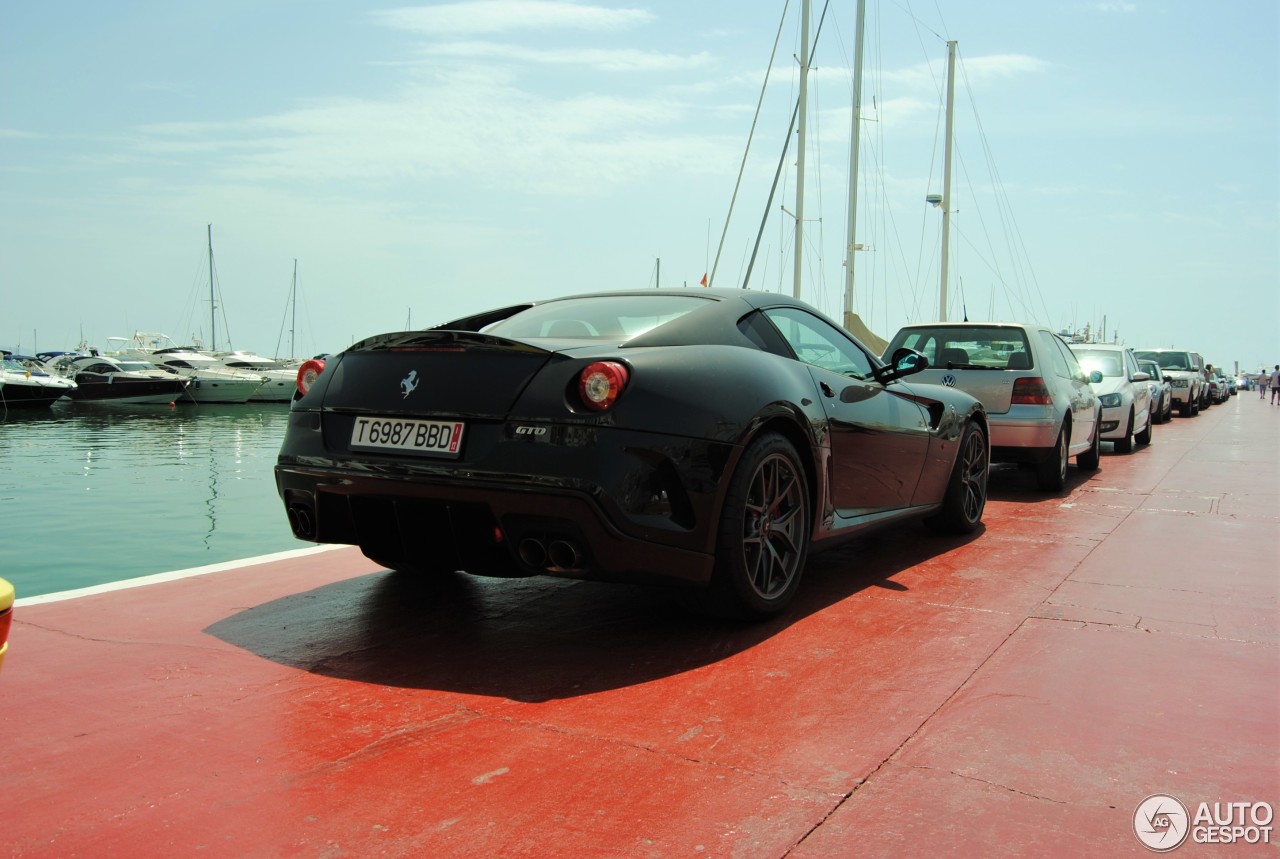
(409, 383)
(947, 379)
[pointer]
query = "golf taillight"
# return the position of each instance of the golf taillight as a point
(1031, 391)
(308, 373)
(601, 383)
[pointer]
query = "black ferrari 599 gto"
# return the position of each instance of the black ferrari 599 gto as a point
(703, 437)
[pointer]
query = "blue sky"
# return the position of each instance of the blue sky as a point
(1115, 160)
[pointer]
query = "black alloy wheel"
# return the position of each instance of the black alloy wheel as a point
(966, 496)
(764, 532)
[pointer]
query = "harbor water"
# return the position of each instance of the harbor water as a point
(96, 494)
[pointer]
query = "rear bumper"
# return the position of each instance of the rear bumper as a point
(485, 528)
(595, 503)
(1018, 436)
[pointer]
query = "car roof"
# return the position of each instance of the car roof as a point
(1031, 326)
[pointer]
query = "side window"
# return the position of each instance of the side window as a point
(924, 343)
(1075, 371)
(817, 342)
(1064, 363)
(1130, 363)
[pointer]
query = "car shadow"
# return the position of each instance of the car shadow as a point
(1011, 482)
(540, 639)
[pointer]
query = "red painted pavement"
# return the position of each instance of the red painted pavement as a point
(1017, 693)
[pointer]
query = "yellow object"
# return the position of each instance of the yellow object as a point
(6, 617)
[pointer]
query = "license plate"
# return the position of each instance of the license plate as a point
(407, 435)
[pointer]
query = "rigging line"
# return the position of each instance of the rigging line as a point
(750, 136)
(1006, 208)
(795, 113)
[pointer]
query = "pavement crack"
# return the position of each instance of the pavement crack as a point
(995, 784)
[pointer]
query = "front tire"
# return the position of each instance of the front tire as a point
(1051, 472)
(763, 539)
(966, 496)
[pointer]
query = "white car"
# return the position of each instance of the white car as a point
(1183, 370)
(1123, 391)
(1161, 392)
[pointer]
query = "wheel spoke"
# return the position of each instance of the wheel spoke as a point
(774, 517)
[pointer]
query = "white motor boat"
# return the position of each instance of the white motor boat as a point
(211, 381)
(28, 386)
(281, 376)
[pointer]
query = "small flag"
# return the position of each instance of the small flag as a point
(704, 278)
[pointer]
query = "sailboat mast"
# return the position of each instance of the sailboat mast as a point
(803, 110)
(946, 179)
(293, 308)
(213, 306)
(854, 139)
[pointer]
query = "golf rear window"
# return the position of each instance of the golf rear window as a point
(967, 345)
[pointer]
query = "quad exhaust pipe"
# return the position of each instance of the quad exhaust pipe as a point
(302, 521)
(553, 556)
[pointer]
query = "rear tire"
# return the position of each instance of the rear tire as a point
(1051, 472)
(1090, 459)
(966, 496)
(1125, 445)
(1144, 438)
(763, 538)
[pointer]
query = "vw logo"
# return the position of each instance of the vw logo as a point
(949, 380)
(409, 383)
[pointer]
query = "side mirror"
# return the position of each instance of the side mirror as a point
(1141, 377)
(1095, 377)
(905, 362)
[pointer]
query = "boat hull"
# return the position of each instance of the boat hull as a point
(129, 391)
(203, 390)
(20, 395)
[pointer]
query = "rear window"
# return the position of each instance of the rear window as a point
(612, 317)
(967, 346)
(1110, 362)
(1169, 360)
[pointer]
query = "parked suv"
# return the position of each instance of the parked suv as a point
(1040, 404)
(1185, 372)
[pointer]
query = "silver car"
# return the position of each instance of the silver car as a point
(1161, 391)
(1040, 404)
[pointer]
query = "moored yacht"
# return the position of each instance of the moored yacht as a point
(28, 386)
(281, 376)
(211, 381)
(104, 379)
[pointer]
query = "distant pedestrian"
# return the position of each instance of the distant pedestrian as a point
(1262, 384)
(1275, 384)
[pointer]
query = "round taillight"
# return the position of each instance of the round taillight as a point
(601, 383)
(308, 373)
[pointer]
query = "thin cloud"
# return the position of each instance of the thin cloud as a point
(625, 60)
(499, 16)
